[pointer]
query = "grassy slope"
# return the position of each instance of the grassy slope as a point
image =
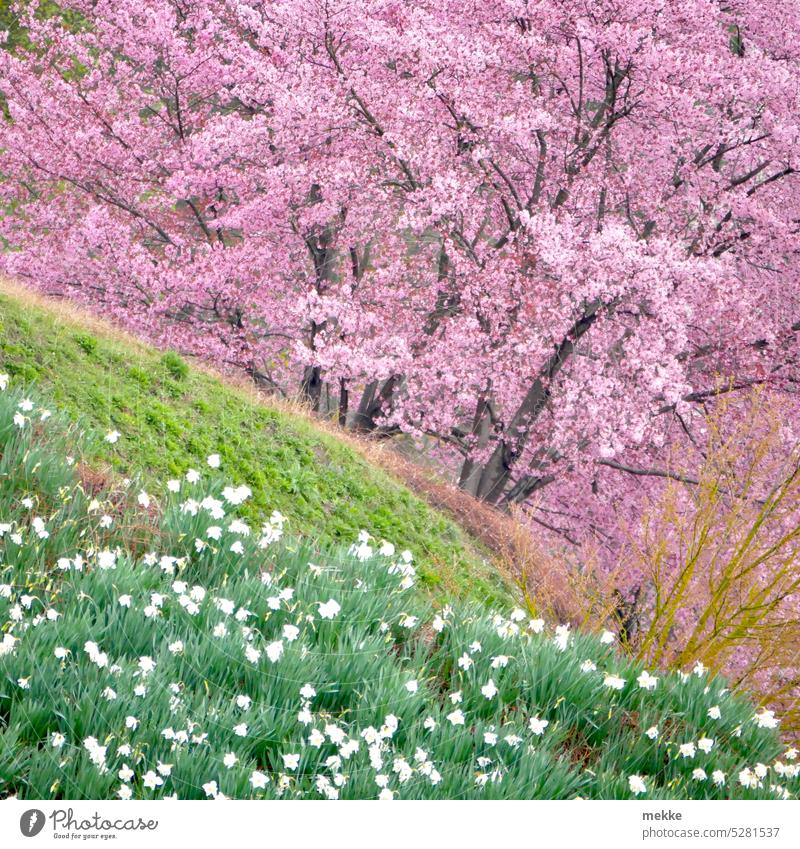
(104, 664)
(172, 417)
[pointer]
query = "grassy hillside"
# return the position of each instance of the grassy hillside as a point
(166, 648)
(171, 417)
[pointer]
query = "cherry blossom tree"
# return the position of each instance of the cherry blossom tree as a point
(541, 236)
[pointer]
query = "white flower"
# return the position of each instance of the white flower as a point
(124, 792)
(328, 609)
(714, 712)
(614, 682)
(290, 762)
(718, 777)
(647, 681)
(174, 485)
(490, 738)
(291, 633)
(561, 638)
(113, 436)
(4, 378)
(213, 461)
(489, 689)
(637, 785)
(748, 779)
(412, 686)
(106, 560)
(687, 750)
(151, 780)
(258, 780)
(193, 476)
(240, 730)
(131, 722)
(766, 719)
(699, 669)
(652, 732)
(307, 691)
(500, 661)
(143, 499)
(699, 774)
(316, 738)
(588, 666)
(57, 740)
(210, 788)
(537, 725)
(164, 769)
(230, 760)
(606, 638)
(146, 665)
(237, 547)
(456, 717)
(705, 744)
(386, 795)
(60, 652)
(7, 644)
(275, 651)
(429, 724)
(465, 661)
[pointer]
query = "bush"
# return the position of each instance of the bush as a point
(720, 563)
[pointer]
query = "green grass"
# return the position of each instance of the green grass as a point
(115, 679)
(172, 417)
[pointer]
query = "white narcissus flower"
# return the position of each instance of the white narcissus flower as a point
(637, 785)
(113, 436)
(705, 744)
(258, 780)
(275, 651)
(537, 726)
(291, 762)
(766, 719)
(456, 717)
(647, 681)
(213, 461)
(489, 689)
(329, 609)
